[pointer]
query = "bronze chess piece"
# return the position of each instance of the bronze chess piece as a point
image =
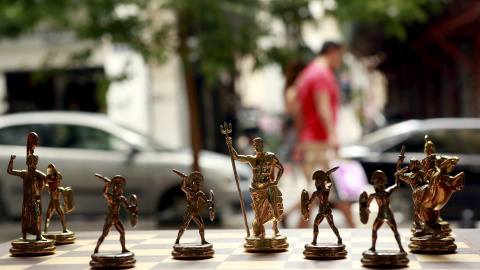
(382, 258)
(55, 190)
(192, 186)
(267, 198)
(323, 183)
(432, 235)
(33, 184)
(125, 258)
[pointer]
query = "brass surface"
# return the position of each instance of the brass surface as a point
(323, 184)
(267, 198)
(305, 205)
(325, 251)
(114, 200)
(60, 237)
(113, 260)
(33, 183)
(193, 251)
(428, 244)
(382, 196)
(269, 243)
(384, 259)
(28, 247)
(192, 186)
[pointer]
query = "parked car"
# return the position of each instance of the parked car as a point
(451, 136)
(81, 144)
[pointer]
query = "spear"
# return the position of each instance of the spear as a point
(227, 129)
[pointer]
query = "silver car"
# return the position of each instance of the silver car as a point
(81, 144)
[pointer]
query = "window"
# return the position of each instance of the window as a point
(81, 137)
(17, 135)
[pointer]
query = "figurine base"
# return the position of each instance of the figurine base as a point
(385, 258)
(113, 260)
(426, 244)
(27, 247)
(325, 251)
(193, 251)
(270, 243)
(60, 237)
(445, 228)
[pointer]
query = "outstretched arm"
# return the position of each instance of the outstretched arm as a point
(314, 195)
(10, 169)
(235, 155)
(184, 180)
(395, 186)
(123, 200)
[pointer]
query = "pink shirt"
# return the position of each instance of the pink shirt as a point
(314, 79)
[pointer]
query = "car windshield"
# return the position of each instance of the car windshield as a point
(143, 141)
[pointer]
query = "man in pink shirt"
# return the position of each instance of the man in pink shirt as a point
(319, 99)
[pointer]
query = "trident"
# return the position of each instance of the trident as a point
(227, 130)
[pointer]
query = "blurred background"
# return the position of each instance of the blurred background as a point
(139, 88)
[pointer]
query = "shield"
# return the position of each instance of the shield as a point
(363, 207)
(304, 205)
(212, 205)
(133, 210)
(68, 198)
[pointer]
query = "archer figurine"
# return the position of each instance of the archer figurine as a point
(192, 186)
(323, 183)
(114, 200)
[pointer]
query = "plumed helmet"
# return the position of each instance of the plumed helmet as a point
(378, 176)
(319, 174)
(194, 176)
(118, 180)
(429, 147)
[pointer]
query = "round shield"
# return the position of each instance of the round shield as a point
(363, 207)
(304, 205)
(68, 198)
(133, 210)
(212, 205)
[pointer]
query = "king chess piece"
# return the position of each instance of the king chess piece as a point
(432, 234)
(125, 258)
(267, 198)
(55, 190)
(33, 184)
(386, 257)
(315, 250)
(192, 186)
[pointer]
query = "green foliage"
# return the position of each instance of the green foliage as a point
(394, 15)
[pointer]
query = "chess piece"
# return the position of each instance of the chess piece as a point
(55, 190)
(323, 183)
(125, 258)
(192, 185)
(382, 258)
(438, 191)
(33, 184)
(267, 198)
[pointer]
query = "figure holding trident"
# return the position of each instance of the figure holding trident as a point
(267, 198)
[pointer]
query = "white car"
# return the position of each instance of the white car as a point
(82, 144)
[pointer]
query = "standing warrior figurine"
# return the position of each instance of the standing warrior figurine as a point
(33, 184)
(55, 190)
(114, 199)
(267, 198)
(192, 186)
(323, 183)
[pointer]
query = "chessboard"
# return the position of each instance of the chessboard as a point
(153, 251)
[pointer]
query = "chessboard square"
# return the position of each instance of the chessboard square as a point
(226, 235)
(461, 245)
(83, 242)
(66, 260)
(105, 247)
(14, 267)
(229, 245)
(319, 264)
(448, 257)
(160, 241)
(152, 252)
(259, 257)
(246, 265)
(145, 265)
